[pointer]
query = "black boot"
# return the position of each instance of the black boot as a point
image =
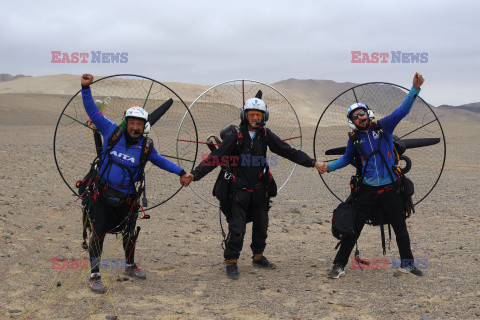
(232, 269)
(260, 261)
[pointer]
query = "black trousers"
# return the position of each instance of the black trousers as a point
(386, 205)
(247, 206)
(105, 220)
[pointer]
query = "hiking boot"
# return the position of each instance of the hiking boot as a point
(232, 269)
(336, 272)
(134, 271)
(96, 284)
(262, 262)
(412, 270)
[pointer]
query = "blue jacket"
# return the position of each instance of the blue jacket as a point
(376, 173)
(116, 176)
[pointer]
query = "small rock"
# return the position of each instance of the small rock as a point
(111, 317)
(171, 219)
(48, 238)
(284, 230)
(397, 274)
(262, 288)
(14, 311)
(309, 275)
(59, 284)
(425, 318)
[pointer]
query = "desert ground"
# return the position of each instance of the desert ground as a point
(180, 246)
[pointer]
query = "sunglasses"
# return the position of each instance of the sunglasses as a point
(360, 114)
(255, 114)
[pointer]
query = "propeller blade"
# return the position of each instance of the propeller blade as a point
(159, 112)
(335, 151)
(420, 142)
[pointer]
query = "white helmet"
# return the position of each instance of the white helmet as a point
(255, 104)
(139, 113)
(354, 107)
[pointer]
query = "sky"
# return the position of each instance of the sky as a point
(208, 42)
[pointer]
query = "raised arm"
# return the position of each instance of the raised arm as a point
(103, 124)
(389, 123)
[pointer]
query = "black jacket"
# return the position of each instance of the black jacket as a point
(248, 159)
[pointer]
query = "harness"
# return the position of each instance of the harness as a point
(358, 162)
(227, 184)
(356, 180)
(93, 186)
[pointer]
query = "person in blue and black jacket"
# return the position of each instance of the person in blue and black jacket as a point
(377, 188)
(120, 168)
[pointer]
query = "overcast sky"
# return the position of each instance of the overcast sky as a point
(207, 42)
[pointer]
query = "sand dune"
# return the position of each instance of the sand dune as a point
(309, 97)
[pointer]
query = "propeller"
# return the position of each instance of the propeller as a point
(400, 144)
(159, 112)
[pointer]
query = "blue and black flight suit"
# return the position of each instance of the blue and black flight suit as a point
(119, 170)
(250, 200)
(377, 189)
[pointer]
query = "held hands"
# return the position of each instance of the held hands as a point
(87, 79)
(322, 167)
(418, 80)
(186, 179)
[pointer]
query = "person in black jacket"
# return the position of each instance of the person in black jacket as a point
(250, 197)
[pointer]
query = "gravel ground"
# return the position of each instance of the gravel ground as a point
(180, 250)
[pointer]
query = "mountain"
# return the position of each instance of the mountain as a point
(473, 107)
(8, 77)
(309, 97)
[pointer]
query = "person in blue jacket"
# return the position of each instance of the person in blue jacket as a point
(118, 172)
(378, 188)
